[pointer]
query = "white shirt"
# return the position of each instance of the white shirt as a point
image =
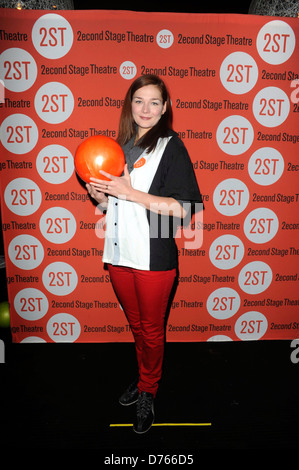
(133, 237)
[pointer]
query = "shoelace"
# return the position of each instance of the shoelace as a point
(144, 405)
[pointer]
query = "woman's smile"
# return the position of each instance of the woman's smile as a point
(147, 108)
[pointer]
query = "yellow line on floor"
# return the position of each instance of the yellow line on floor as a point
(164, 424)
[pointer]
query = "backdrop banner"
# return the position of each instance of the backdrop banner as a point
(234, 85)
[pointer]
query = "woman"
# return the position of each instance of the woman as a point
(140, 252)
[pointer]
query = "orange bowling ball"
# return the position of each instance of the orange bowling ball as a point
(99, 153)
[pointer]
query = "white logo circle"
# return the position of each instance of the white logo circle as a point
(18, 69)
(26, 252)
(18, 134)
(128, 70)
(31, 304)
(223, 303)
(261, 225)
(33, 339)
(54, 102)
(63, 328)
(55, 164)
(276, 42)
(265, 166)
(234, 135)
(231, 197)
(219, 338)
(58, 225)
(255, 277)
(226, 251)
(164, 38)
(271, 106)
(60, 278)
(238, 73)
(251, 326)
(52, 36)
(22, 196)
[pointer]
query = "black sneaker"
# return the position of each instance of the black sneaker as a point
(130, 396)
(145, 413)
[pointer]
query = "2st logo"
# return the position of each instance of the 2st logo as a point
(231, 196)
(18, 69)
(54, 102)
(271, 106)
(234, 135)
(52, 36)
(276, 42)
(22, 196)
(238, 73)
(165, 38)
(19, 134)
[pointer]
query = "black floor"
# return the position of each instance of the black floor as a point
(65, 396)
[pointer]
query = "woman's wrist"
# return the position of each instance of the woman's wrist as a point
(160, 205)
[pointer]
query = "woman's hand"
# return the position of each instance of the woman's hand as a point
(118, 186)
(98, 196)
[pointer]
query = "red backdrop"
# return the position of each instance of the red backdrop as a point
(234, 87)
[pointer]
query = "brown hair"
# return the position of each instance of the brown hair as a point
(127, 127)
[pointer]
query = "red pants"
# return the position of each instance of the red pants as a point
(144, 296)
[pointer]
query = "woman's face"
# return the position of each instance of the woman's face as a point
(147, 108)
